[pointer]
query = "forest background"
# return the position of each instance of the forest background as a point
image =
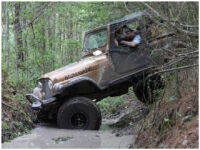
(39, 37)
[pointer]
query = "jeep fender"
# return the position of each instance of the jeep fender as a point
(81, 85)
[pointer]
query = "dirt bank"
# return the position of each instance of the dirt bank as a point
(173, 122)
(16, 113)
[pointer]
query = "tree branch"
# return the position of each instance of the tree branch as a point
(186, 54)
(189, 26)
(161, 18)
(179, 12)
(126, 7)
(172, 69)
(35, 18)
(162, 36)
(172, 63)
(41, 12)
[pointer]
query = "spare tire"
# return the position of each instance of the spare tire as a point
(79, 113)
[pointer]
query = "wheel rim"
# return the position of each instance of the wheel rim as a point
(79, 120)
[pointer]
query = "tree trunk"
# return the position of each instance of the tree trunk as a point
(53, 36)
(43, 48)
(18, 40)
(18, 32)
(7, 35)
(177, 86)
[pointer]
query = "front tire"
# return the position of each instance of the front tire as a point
(79, 113)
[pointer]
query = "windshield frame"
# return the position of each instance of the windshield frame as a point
(87, 34)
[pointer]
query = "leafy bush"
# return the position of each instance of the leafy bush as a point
(111, 105)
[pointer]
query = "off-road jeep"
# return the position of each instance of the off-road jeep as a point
(68, 94)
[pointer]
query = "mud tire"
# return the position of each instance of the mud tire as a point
(144, 89)
(83, 108)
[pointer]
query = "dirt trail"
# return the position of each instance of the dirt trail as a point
(44, 136)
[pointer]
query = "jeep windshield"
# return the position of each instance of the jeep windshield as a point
(95, 39)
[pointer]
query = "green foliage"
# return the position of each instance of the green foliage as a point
(159, 93)
(27, 131)
(170, 76)
(4, 125)
(166, 119)
(130, 123)
(131, 93)
(178, 114)
(187, 118)
(171, 98)
(19, 98)
(18, 115)
(14, 129)
(111, 104)
(61, 139)
(18, 124)
(104, 127)
(54, 39)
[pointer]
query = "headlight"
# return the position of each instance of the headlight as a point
(39, 85)
(45, 86)
(50, 84)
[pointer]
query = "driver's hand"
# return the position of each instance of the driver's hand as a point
(116, 42)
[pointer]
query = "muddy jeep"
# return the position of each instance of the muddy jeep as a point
(68, 94)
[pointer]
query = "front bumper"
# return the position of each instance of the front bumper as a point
(38, 104)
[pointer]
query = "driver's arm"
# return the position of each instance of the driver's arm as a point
(132, 44)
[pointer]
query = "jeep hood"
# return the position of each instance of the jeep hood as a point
(75, 69)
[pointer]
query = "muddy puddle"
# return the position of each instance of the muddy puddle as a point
(49, 136)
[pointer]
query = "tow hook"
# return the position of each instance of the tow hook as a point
(36, 103)
(31, 98)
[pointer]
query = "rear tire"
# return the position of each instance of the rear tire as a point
(79, 113)
(144, 89)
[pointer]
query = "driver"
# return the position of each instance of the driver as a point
(132, 38)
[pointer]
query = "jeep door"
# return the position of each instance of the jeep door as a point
(127, 59)
(95, 47)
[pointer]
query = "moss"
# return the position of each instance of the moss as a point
(4, 125)
(62, 139)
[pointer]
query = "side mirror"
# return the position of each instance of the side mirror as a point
(97, 52)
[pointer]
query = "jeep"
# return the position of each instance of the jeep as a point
(68, 95)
